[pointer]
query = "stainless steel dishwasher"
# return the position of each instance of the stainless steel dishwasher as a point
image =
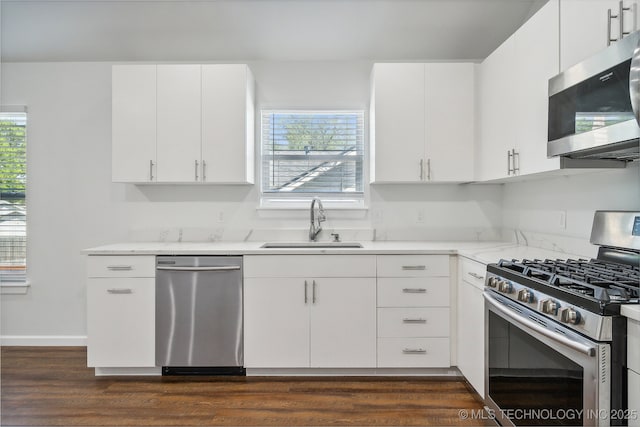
(199, 315)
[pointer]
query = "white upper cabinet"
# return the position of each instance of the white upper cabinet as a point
(422, 123)
(513, 104)
(227, 124)
(584, 27)
(179, 113)
(133, 115)
(183, 123)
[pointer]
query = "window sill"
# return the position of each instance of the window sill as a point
(14, 288)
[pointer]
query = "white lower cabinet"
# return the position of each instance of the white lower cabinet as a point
(470, 321)
(413, 352)
(634, 398)
(309, 321)
(633, 363)
(121, 322)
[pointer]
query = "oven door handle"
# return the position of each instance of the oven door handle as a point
(589, 351)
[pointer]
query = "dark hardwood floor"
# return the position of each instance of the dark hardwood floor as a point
(51, 386)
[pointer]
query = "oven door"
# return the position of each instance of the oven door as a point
(539, 373)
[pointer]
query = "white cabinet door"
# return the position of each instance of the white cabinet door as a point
(397, 123)
(179, 123)
(583, 27)
(227, 123)
(449, 122)
(496, 113)
(536, 47)
(470, 320)
(343, 323)
(276, 323)
(121, 322)
(133, 123)
(634, 398)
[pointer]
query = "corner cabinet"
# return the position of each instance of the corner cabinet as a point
(422, 122)
(183, 123)
(513, 91)
(313, 311)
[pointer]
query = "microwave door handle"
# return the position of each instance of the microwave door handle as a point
(634, 82)
(585, 349)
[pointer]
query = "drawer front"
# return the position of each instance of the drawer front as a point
(473, 272)
(413, 292)
(310, 266)
(413, 353)
(413, 265)
(121, 266)
(633, 345)
(413, 322)
(121, 322)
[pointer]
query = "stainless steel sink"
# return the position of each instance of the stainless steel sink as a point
(299, 245)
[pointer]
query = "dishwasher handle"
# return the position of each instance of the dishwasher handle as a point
(219, 268)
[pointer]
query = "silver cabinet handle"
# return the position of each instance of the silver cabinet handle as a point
(509, 170)
(414, 351)
(514, 153)
(414, 320)
(475, 275)
(120, 291)
(196, 170)
(414, 290)
(120, 267)
(428, 169)
(414, 267)
(421, 170)
(204, 170)
(305, 292)
(221, 268)
(621, 12)
(609, 18)
(313, 292)
(151, 170)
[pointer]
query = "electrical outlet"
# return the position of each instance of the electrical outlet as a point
(420, 216)
(562, 220)
(221, 216)
(377, 216)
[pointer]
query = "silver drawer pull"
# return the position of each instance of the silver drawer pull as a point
(414, 351)
(120, 267)
(414, 290)
(414, 320)
(414, 267)
(120, 291)
(475, 275)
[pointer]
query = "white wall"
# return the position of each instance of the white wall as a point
(538, 207)
(73, 204)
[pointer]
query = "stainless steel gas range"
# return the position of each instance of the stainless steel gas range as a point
(555, 340)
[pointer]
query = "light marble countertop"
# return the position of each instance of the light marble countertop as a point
(631, 311)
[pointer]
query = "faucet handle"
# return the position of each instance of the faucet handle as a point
(336, 237)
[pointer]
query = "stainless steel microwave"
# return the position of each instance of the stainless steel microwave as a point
(594, 106)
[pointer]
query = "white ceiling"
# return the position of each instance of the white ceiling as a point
(232, 30)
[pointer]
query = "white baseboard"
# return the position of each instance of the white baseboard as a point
(128, 371)
(351, 372)
(44, 340)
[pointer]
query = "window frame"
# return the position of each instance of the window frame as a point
(301, 201)
(21, 286)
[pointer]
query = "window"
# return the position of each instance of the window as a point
(312, 153)
(13, 210)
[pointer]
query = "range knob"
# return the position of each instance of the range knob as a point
(492, 282)
(550, 306)
(569, 315)
(525, 295)
(505, 287)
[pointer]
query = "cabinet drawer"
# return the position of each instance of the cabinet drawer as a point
(413, 353)
(413, 292)
(310, 266)
(634, 398)
(121, 322)
(413, 322)
(633, 345)
(413, 265)
(473, 272)
(121, 266)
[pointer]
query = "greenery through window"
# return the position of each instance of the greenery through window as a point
(309, 153)
(13, 210)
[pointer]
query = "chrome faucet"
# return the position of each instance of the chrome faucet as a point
(318, 217)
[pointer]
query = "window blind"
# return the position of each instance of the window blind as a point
(312, 152)
(13, 210)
